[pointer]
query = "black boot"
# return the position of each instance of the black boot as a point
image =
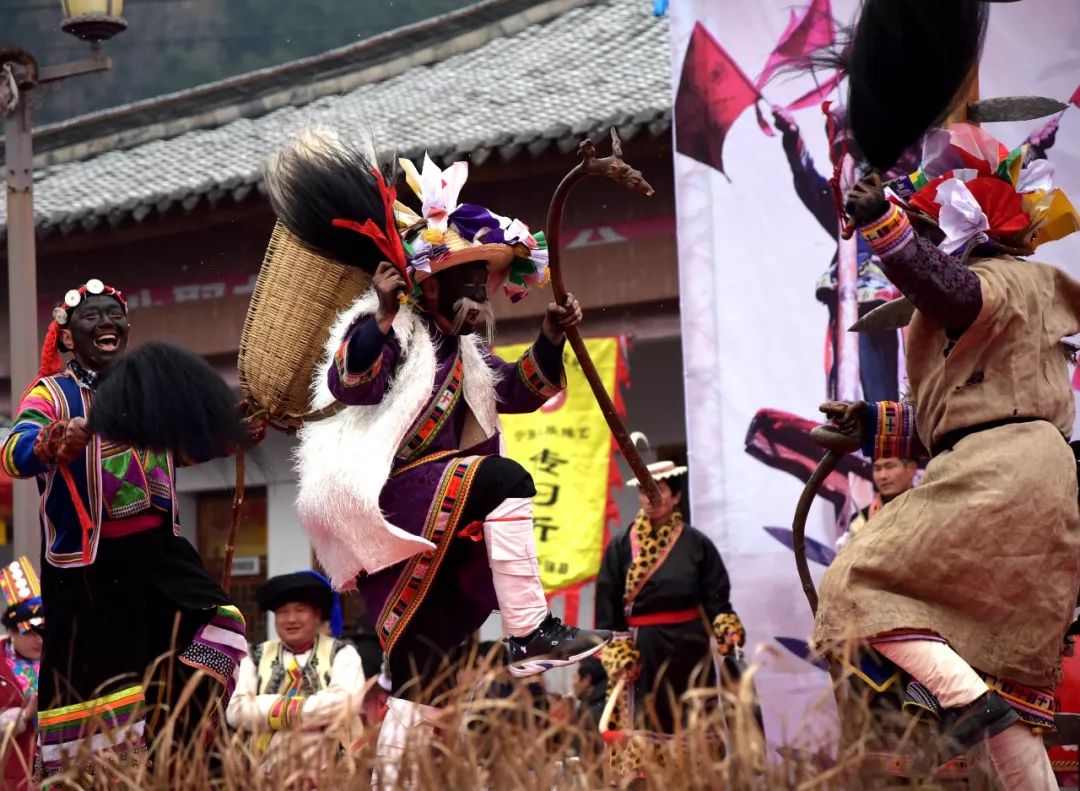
(966, 726)
(553, 644)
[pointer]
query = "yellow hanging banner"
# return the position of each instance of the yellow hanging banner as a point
(567, 448)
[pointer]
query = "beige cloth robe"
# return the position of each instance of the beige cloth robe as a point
(985, 551)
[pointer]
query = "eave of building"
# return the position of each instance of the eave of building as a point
(487, 83)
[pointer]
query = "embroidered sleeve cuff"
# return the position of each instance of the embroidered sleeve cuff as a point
(48, 442)
(890, 431)
(729, 632)
(538, 381)
(359, 358)
(889, 233)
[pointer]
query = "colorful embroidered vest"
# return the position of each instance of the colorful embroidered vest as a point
(112, 481)
(274, 676)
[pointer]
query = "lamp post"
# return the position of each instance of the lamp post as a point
(92, 21)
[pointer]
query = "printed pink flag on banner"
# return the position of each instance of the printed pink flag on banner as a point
(712, 94)
(804, 34)
(817, 94)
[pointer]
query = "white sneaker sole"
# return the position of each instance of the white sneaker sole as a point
(540, 664)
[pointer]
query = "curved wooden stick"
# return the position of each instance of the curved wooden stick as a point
(614, 168)
(836, 443)
(234, 528)
(798, 535)
(798, 526)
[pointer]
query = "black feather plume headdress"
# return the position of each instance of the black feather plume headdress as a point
(907, 63)
(332, 196)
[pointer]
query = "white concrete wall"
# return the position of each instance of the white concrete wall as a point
(288, 547)
(189, 510)
(268, 465)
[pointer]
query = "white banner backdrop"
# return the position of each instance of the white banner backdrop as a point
(751, 252)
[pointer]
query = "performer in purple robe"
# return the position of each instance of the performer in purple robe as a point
(444, 456)
(404, 491)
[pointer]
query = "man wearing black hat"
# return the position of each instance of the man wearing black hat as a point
(304, 680)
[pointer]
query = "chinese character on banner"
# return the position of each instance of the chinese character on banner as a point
(567, 448)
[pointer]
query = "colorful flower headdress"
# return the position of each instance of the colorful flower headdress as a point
(22, 596)
(61, 315)
(976, 190)
(451, 233)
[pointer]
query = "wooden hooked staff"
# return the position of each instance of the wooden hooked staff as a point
(614, 168)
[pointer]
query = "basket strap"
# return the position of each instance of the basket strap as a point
(288, 423)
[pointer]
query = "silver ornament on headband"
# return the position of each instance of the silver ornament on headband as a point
(60, 316)
(72, 298)
(94, 286)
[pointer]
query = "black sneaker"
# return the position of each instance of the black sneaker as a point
(553, 644)
(966, 726)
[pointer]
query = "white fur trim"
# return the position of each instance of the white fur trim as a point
(478, 385)
(344, 461)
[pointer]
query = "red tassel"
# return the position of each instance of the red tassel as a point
(51, 363)
(85, 521)
(50, 357)
(834, 133)
(614, 736)
(474, 531)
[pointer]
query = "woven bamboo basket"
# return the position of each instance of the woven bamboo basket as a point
(298, 297)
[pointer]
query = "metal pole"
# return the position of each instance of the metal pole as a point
(22, 303)
(847, 304)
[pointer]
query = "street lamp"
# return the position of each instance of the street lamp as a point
(92, 21)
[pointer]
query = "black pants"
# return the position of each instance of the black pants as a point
(424, 658)
(145, 596)
(675, 658)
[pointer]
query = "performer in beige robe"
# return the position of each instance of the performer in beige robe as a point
(967, 582)
(997, 508)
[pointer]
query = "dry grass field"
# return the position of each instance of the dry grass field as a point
(485, 742)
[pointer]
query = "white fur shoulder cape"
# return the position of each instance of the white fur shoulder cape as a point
(344, 461)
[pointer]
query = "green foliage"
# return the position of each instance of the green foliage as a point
(171, 45)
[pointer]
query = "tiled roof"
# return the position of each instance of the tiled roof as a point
(588, 66)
